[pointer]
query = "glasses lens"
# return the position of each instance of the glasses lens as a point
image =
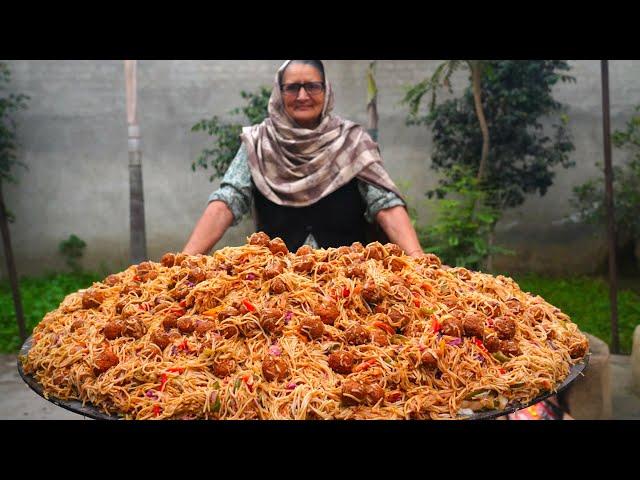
(313, 88)
(291, 88)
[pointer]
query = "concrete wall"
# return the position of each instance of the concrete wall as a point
(74, 139)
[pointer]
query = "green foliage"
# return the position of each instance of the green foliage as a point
(9, 104)
(516, 95)
(459, 235)
(39, 296)
(227, 135)
(588, 198)
(586, 301)
(441, 77)
(72, 249)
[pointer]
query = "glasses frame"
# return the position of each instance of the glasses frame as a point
(302, 85)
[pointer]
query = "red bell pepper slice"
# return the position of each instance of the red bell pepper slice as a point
(163, 381)
(249, 305)
(416, 300)
(436, 325)
(365, 365)
(480, 345)
(394, 396)
(426, 287)
(248, 380)
(384, 326)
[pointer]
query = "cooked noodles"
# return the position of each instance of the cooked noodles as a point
(257, 332)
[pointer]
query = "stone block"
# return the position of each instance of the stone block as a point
(635, 361)
(589, 396)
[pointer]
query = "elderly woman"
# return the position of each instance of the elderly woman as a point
(313, 178)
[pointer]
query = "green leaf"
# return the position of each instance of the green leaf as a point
(372, 89)
(226, 136)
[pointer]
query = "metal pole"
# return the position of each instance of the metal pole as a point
(138, 240)
(611, 226)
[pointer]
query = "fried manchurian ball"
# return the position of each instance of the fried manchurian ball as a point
(186, 324)
(259, 238)
(356, 392)
(452, 327)
(371, 292)
(161, 339)
(374, 250)
(510, 348)
(277, 286)
(394, 249)
(579, 349)
(274, 368)
(473, 326)
(203, 326)
(277, 246)
(327, 311)
(223, 368)
(380, 338)
(492, 343)
(92, 299)
(312, 327)
(112, 330)
(303, 263)
(272, 320)
(304, 250)
(274, 268)
(168, 260)
(341, 362)
(357, 335)
(105, 361)
(505, 327)
(428, 361)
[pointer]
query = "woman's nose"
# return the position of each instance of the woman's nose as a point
(302, 94)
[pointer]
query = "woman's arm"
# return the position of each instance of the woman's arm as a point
(215, 220)
(227, 205)
(397, 225)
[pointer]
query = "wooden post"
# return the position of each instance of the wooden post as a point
(138, 241)
(611, 222)
(11, 268)
(372, 102)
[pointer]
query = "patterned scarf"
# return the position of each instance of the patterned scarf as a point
(297, 166)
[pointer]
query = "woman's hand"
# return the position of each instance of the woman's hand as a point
(397, 225)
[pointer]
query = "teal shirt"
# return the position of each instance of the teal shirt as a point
(236, 191)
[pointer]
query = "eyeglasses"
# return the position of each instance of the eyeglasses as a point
(312, 88)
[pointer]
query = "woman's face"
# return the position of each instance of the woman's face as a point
(303, 108)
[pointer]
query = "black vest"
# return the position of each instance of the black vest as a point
(335, 220)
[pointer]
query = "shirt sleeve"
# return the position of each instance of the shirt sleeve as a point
(377, 199)
(235, 188)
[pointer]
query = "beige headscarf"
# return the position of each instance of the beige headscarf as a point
(297, 166)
